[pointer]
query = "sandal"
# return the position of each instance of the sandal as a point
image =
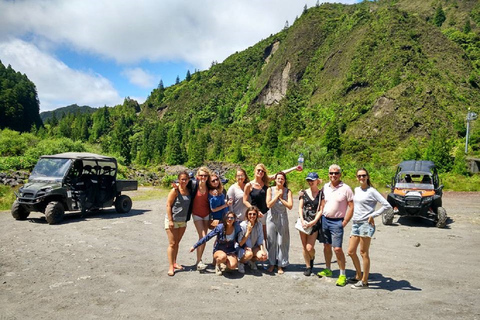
(177, 267)
(171, 273)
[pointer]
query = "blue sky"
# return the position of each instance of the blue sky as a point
(97, 52)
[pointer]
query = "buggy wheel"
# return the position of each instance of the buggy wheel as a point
(123, 204)
(54, 212)
(387, 217)
(441, 218)
(19, 211)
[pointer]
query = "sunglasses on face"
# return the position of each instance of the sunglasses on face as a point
(214, 180)
(260, 170)
(230, 218)
(252, 213)
(203, 175)
(333, 173)
(361, 175)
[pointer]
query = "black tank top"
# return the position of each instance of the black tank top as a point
(259, 198)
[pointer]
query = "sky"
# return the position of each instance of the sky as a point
(98, 52)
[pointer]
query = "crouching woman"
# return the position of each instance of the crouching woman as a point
(226, 243)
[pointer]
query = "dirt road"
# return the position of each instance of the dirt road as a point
(111, 266)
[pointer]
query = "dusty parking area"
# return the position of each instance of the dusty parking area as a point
(111, 266)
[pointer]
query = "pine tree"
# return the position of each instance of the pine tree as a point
(189, 76)
(439, 17)
(177, 80)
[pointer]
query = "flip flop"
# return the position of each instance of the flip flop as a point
(171, 273)
(177, 267)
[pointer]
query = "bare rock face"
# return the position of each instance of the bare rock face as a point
(13, 178)
(276, 88)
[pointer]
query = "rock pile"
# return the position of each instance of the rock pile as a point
(13, 178)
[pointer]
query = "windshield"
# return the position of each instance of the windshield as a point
(414, 185)
(50, 168)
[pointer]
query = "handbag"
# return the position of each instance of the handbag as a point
(299, 227)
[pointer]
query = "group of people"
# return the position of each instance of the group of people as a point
(250, 220)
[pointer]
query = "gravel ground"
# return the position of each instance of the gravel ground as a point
(112, 266)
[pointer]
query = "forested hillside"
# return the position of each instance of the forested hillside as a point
(19, 106)
(368, 84)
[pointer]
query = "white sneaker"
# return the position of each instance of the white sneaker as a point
(252, 265)
(201, 266)
(218, 272)
(360, 285)
(241, 267)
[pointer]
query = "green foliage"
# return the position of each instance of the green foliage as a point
(438, 150)
(460, 164)
(13, 143)
(439, 17)
(19, 105)
(413, 150)
(7, 197)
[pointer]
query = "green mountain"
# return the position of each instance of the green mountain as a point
(61, 112)
(359, 81)
(367, 84)
(19, 105)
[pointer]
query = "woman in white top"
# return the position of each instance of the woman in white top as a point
(235, 193)
(363, 228)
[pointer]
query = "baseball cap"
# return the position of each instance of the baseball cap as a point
(312, 176)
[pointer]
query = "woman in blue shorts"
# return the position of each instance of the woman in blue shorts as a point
(363, 228)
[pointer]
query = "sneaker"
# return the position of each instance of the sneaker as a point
(252, 265)
(360, 285)
(201, 266)
(218, 272)
(241, 267)
(352, 280)
(325, 273)
(307, 272)
(342, 281)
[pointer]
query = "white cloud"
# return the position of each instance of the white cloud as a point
(140, 77)
(197, 32)
(57, 84)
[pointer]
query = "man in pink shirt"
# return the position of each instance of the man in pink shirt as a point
(337, 212)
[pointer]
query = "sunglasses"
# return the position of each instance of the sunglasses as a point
(361, 176)
(260, 170)
(230, 218)
(203, 175)
(252, 213)
(333, 173)
(214, 180)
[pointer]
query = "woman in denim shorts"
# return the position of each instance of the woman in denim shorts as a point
(363, 228)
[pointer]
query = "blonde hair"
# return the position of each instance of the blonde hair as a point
(265, 178)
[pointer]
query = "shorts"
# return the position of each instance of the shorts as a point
(198, 218)
(332, 231)
(176, 224)
(362, 229)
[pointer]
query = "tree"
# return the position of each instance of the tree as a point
(286, 25)
(305, 9)
(317, 4)
(175, 151)
(189, 76)
(468, 27)
(177, 80)
(439, 17)
(160, 85)
(438, 150)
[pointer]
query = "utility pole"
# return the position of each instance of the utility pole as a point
(470, 117)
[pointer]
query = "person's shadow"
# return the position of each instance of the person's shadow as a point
(379, 282)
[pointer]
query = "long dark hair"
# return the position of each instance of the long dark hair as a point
(368, 176)
(284, 176)
(252, 208)
(224, 221)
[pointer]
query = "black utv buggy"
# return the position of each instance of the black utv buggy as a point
(70, 182)
(416, 192)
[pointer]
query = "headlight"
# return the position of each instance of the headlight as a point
(48, 189)
(428, 199)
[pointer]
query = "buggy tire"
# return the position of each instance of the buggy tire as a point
(441, 218)
(123, 204)
(54, 212)
(387, 217)
(19, 211)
